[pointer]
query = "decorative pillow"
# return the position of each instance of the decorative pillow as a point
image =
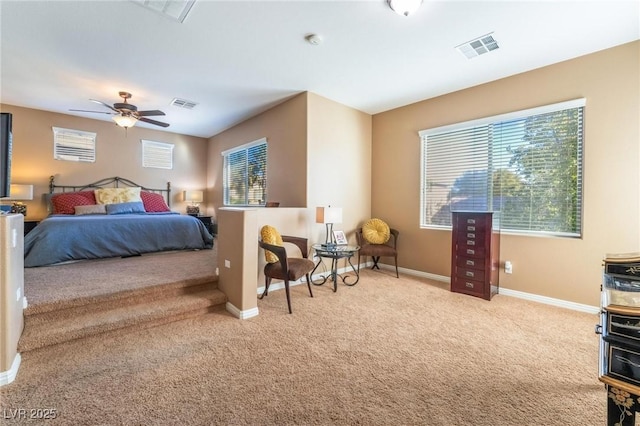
(125, 208)
(91, 209)
(65, 203)
(154, 202)
(376, 231)
(117, 195)
(270, 235)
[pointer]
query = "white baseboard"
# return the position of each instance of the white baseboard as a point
(508, 292)
(442, 278)
(550, 301)
(9, 376)
(249, 313)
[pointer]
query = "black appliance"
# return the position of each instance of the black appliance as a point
(619, 331)
(6, 142)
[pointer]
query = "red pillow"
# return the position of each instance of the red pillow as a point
(153, 202)
(65, 203)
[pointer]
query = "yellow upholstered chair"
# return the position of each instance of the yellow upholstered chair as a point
(279, 265)
(377, 240)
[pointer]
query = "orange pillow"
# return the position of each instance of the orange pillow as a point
(270, 235)
(376, 231)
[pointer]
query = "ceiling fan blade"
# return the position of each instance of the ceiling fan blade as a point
(150, 112)
(97, 112)
(102, 103)
(150, 121)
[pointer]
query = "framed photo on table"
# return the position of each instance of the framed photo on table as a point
(339, 237)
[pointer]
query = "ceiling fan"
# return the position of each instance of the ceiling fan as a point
(126, 114)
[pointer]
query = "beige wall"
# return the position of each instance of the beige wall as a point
(338, 164)
(240, 261)
(567, 269)
(118, 153)
(237, 256)
(285, 127)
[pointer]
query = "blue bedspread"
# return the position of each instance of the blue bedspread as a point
(61, 238)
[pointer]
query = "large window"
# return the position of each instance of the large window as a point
(245, 174)
(526, 165)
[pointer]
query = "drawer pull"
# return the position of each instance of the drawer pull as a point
(469, 274)
(471, 251)
(471, 221)
(468, 284)
(471, 235)
(624, 360)
(471, 243)
(471, 228)
(471, 263)
(628, 327)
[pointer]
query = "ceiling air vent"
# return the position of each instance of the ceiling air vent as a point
(174, 9)
(183, 103)
(478, 46)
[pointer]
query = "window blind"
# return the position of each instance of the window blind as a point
(74, 145)
(158, 155)
(245, 174)
(526, 165)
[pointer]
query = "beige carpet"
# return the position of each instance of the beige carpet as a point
(63, 283)
(81, 299)
(385, 352)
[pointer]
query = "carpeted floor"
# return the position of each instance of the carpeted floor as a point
(385, 352)
(94, 278)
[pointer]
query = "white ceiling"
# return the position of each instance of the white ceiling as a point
(239, 58)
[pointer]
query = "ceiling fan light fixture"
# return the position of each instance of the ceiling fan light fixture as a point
(404, 7)
(125, 121)
(127, 115)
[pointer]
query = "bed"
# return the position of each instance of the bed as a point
(113, 217)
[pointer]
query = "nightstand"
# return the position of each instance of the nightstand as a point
(208, 223)
(29, 224)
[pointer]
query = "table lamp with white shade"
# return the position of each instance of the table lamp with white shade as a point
(17, 194)
(194, 198)
(329, 216)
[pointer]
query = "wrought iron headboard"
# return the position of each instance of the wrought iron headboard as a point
(112, 182)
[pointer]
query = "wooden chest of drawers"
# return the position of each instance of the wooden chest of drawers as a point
(475, 253)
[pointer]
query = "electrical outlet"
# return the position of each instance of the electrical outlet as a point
(508, 267)
(227, 263)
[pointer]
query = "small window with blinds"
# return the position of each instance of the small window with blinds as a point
(245, 174)
(527, 165)
(157, 155)
(74, 145)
